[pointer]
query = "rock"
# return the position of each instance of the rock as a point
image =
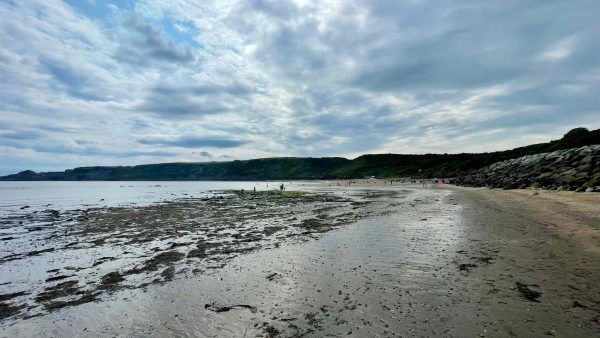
(216, 308)
(528, 293)
(579, 304)
(570, 169)
(466, 267)
(590, 189)
(271, 331)
(584, 167)
(587, 160)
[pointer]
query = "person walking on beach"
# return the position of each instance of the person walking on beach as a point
(282, 187)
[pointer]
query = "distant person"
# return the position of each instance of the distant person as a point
(255, 189)
(281, 187)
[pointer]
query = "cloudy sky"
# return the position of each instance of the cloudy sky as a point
(91, 82)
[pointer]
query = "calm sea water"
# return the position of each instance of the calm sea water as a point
(39, 195)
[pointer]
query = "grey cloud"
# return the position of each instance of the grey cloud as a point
(143, 44)
(203, 153)
(273, 8)
(20, 134)
(89, 150)
(551, 95)
(441, 60)
(194, 101)
(19, 140)
(294, 50)
(151, 153)
(192, 142)
(75, 82)
(428, 72)
(65, 148)
(83, 142)
(235, 89)
(181, 106)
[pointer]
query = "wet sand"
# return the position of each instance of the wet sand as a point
(383, 260)
(549, 239)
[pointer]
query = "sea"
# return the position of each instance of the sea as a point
(27, 196)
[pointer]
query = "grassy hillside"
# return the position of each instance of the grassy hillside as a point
(257, 169)
(380, 165)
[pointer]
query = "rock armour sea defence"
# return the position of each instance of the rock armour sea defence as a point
(575, 169)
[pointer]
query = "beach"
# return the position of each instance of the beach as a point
(321, 259)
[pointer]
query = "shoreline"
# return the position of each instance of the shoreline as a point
(439, 260)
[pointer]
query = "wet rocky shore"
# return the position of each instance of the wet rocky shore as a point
(56, 260)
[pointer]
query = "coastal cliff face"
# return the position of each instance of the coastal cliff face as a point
(575, 169)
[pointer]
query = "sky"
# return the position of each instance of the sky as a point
(125, 82)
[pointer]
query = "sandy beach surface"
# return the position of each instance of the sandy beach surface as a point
(364, 260)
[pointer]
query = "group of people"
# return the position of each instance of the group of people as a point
(281, 188)
(422, 181)
(434, 181)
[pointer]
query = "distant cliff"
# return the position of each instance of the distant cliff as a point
(281, 168)
(257, 169)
